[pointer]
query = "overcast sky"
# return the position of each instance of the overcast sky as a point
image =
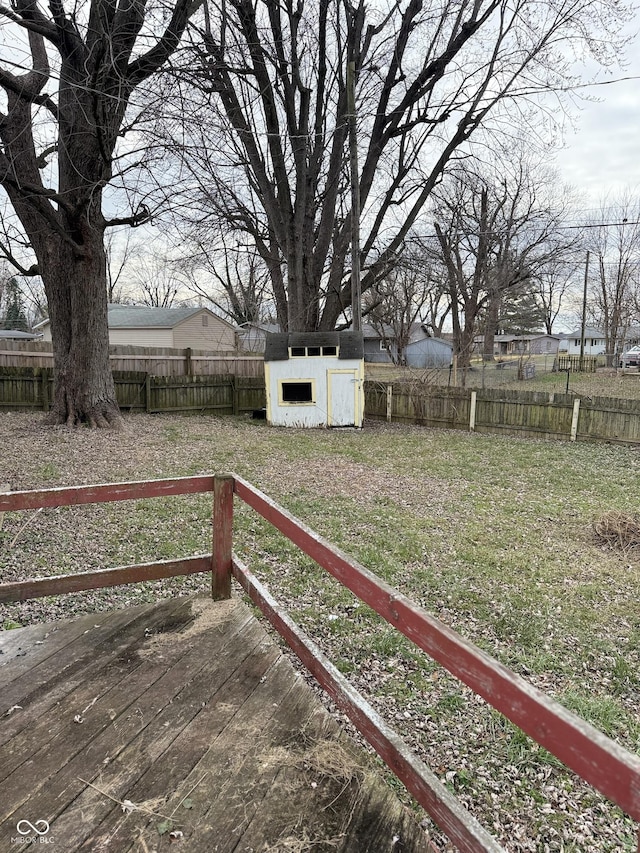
(603, 155)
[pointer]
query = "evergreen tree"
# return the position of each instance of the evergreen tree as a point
(15, 317)
(521, 313)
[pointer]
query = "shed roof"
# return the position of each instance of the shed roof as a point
(350, 344)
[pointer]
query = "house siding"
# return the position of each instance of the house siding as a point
(592, 346)
(430, 352)
(217, 335)
(141, 337)
(544, 345)
(373, 353)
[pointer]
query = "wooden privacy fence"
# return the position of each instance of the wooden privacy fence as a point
(605, 765)
(158, 361)
(538, 414)
(223, 395)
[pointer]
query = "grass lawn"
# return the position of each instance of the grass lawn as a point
(492, 535)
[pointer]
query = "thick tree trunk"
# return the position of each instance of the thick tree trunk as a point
(77, 294)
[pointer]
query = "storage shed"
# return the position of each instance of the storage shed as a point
(315, 379)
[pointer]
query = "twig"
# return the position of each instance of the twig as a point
(128, 804)
(90, 705)
(189, 793)
(22, 529)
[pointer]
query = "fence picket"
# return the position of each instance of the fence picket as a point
(526, 413)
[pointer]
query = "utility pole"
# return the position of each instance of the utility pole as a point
(356, 295)
(584, 312)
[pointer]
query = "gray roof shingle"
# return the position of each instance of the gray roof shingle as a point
(142, 316)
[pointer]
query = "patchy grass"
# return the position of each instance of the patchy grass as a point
(495, 536)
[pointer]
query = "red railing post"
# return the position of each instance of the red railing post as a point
(222, 536)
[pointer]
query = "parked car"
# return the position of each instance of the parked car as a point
(630, 358)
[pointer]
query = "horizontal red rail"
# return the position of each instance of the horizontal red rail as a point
(98, 579)
(460, 826)
(75, 495)
(607, 766)
(600, 761)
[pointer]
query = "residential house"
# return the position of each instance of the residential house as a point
(177, 328)
(422, 351)
(536, 343)
(15, 335)
(594, 342)
(252, 337)
(426, 352)
(379, 345)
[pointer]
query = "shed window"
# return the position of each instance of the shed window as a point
(297, 392)
(312, 352)
(205, 320)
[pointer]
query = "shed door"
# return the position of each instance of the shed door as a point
(342, 397)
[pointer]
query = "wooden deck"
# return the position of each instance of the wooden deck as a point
(178, 725)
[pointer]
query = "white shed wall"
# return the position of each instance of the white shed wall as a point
(321, 412)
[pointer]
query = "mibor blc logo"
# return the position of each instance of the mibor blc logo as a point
(32, 833)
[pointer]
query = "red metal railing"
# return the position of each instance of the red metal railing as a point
(609, 768)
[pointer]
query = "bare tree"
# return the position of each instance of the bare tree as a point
(494, 236)
(396, 303)
(35, 299)
(154, 280)
(271, 159)
(232, 278)
(555, 283)
(121, 253)
(65, 108)
(613, 237)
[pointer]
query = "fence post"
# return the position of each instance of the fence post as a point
(187, 361)
(472, 413)
(222, 536)
(147, 392)
(389, 402)
(574, 419)
(5, 488)
(44, 376)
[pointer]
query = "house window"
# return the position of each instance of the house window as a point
(205, 320)
(383, 346)
(297, 393)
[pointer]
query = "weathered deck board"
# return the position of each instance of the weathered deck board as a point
(70, 667)
(189, 711)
